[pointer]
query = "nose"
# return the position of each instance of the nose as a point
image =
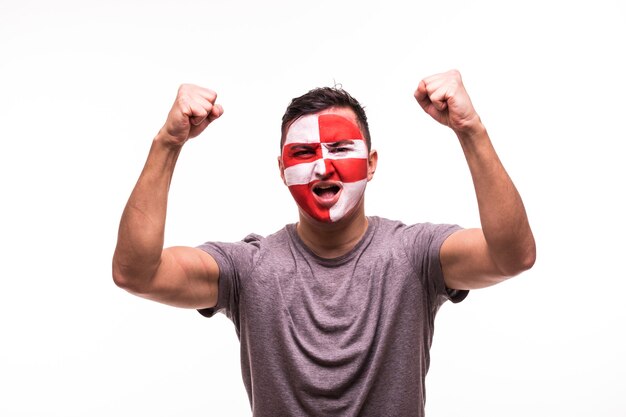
(324, 169)
(319, 169)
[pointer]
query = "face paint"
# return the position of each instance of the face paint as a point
(325, 160)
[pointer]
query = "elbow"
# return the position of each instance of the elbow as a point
(127, 280)
(521, 262)
(524, 265)
(121, 279)
(134, 272)
(530, 256)
(530, 259)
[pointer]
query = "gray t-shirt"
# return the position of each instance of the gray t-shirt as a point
(348, 336)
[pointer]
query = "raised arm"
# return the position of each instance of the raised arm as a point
(504, 246)
(179, 276)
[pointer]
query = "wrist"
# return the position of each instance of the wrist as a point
(168, 142)
(471, 131)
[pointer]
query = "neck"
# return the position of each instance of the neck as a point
(331, 240)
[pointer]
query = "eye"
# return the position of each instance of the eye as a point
(341, 149)
(303, 152)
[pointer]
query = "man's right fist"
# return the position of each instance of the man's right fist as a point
(193, 110)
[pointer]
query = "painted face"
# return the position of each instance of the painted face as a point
(325, 161)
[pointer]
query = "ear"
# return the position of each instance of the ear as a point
(372, 162)
(281, 168)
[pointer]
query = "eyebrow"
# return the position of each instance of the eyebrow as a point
(340, 143)
(297, 146)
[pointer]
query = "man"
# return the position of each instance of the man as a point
(335, 313)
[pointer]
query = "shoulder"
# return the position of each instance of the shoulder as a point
(249, 247)
(418, 241)
(414, 231)
(383, 226)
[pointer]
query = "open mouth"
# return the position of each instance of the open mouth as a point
(326, 190)
(327, 193)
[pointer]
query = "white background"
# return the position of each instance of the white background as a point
(85, 86)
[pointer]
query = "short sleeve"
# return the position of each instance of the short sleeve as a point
(235, 261)
(424, 245)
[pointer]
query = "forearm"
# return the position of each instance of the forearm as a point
(141, 232)
(502, 214)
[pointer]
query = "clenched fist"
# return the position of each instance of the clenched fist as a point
(444, 98)
(193, 110)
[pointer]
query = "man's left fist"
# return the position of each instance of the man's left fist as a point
(444, 98)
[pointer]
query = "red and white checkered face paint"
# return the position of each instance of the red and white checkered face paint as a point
(325, 160)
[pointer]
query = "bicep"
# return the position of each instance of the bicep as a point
(186, 277)
(466, 261)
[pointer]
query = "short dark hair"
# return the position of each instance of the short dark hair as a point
(320, 99)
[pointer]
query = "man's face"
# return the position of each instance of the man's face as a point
(325, 161)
